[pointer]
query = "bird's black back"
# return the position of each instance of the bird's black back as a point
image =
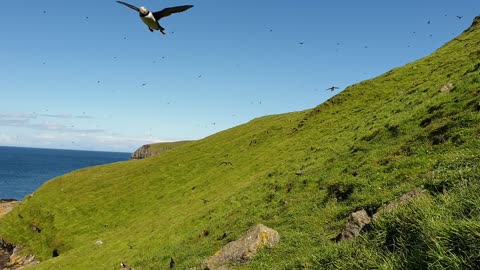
(169, 11)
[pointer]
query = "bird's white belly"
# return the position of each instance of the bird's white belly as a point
(150, 21)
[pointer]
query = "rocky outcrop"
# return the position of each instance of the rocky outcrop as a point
(404, 199)
(142, 152)
(244, 249)
(19, 261)
(357, 223)
(149, 150)
(6, 250)
(12, 258)
(360, 222)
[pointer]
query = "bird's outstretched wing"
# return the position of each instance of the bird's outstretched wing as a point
(169, 11)
(128, 5)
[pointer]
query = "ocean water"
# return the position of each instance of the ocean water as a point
(23, 170)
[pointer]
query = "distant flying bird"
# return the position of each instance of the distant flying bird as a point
(151, 18)
(459, 17)
(332, 88)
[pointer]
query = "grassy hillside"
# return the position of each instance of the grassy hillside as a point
(148, 150)
(300, 173)
(164, 146)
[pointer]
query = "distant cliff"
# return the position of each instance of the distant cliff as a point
(149, 150)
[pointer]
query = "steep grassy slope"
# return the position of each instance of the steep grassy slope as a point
(300, 173)
(161, 147)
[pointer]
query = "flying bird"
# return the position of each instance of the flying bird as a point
(151, 18)
(332, 88)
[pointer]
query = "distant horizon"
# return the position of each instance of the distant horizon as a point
(65, 149)
(24, 169)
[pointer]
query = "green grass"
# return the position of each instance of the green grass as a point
(301, 173)
(165, 146)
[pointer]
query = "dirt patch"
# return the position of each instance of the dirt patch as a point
(7, 206)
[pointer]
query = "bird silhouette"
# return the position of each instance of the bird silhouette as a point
(172, 263)
(459, 17)
(332, 88)
(151, 18)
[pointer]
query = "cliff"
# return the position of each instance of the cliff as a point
(149, 150)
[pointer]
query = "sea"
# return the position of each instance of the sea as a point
(24, 170)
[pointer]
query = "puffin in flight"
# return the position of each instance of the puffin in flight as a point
(151, 18)
(332, 88)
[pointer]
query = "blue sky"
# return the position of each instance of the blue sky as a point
(89, 75)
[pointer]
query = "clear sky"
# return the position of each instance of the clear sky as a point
(89, 75)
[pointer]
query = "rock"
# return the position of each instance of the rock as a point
(360, 222)
(142, 152)
(298, 173)
(4, 258)
(356, 224)
(11, 257)
(6, 250)
(18, 261)
(244, 249)
(404, 199)
(447, 88)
